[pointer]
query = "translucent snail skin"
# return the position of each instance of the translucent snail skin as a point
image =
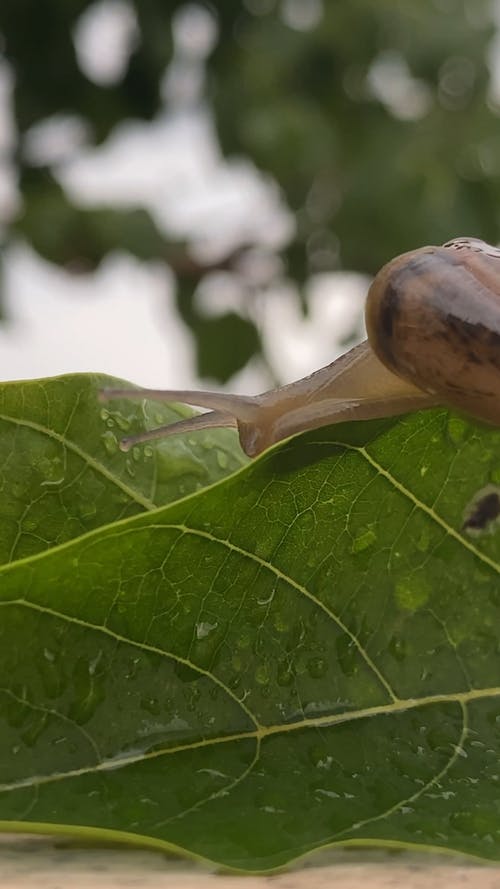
(433, 324)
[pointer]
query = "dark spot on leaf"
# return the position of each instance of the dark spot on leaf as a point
(483, 511)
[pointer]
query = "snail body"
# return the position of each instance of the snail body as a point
(433, 325)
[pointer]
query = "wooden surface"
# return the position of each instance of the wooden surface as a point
(26, 863)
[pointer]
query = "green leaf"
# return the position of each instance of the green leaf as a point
(63, 474)
(305, 654)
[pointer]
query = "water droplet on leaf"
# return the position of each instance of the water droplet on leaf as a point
(412, 591)
(363, 541)
(222, 459)
(110, 442)
(317, 667)
(263, 675)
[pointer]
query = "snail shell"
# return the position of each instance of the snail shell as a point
(433, 317)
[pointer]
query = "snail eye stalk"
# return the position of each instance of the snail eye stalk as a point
(224, 411)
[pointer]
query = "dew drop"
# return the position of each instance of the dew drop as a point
(51, 675)
(284, 677)
(363, 541)
(317, 667)
(244, 641)
(398, 648)
(320, 758)
(424, 541)
(261, 549)
(122, 422)
(51, 470)
(93, 664)
(33, 731)
(347, 655)
(178, 462)
(30, 525)
(329, 793)
(412, 591)
(87, 510)
(440, 740)
(204, 628)
(456, 429)
(110, 442)
(222, 459)
(262, 675)
(237, 663)
(280, 622)
(267, 599)
(476, 824)
(151, 705)
(88, 689)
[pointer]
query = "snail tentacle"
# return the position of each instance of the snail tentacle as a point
(210, 420)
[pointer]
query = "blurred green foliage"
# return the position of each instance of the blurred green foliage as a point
(376, 120)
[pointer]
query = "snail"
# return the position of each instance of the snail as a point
(433, 325)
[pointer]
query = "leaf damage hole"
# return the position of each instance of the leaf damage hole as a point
(482, 514)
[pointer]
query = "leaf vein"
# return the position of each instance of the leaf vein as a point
(87, 458)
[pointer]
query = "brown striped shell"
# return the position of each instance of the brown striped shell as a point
(433, 318)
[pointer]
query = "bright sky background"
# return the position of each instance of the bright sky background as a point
(122, 319)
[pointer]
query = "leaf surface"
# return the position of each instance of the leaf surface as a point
(304, 654)
(62, 472)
